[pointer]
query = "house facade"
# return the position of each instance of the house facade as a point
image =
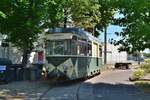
(113, 54)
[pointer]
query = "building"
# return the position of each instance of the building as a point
(9, 52)
(113, 55)
(13, 54)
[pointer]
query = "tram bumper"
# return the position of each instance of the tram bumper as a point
(56, 74)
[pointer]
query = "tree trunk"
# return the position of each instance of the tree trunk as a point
(25, 57)
(139, 60)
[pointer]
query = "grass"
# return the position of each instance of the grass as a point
(145, 85)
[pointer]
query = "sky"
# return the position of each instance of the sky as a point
(112, 29)
(111, 33)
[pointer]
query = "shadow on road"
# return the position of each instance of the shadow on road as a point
(108, 91)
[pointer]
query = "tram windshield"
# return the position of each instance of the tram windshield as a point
(58, 47)
(72, 46)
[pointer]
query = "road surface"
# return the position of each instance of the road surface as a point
(110, 85)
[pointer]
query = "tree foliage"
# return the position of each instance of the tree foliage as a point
(107, 11)
(78, 13)
(85, 13)
(135, 23)
(23, 20)
(22, 23)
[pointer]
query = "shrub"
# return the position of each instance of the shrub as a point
(147, 60)
(145, 85)
(137, 74)
(146, 66)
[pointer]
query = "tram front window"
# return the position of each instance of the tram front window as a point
(58, 47)
(55, 47)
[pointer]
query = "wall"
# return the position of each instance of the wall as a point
(113, 55)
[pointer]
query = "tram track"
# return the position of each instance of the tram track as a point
(69, 91)
(77, 93)
(43, 94)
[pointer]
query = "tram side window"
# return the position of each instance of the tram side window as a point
(67, 45)
(82, 44)
(89, 49)
(55, 47)
(59, 47)
(49, 47)
(74, 46)
(82, 49)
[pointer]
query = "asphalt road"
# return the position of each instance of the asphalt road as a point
(110, 85)
(114, 85)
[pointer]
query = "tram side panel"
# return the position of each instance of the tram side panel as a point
(72, 67)
(94, 66)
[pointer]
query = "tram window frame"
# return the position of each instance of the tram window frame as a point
(57, 45)
(89, 48)
(74, 45)
(66, 45)
(48, 46)
(82, 47)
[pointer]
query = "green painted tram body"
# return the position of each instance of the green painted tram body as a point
(75, 67)
(82, 60)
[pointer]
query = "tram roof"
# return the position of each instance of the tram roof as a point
(78, 31)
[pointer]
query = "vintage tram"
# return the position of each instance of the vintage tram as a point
(72, 53)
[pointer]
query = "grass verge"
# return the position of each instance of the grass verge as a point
(145, 85)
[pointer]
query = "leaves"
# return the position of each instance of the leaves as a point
(136, 23)
(23, 20)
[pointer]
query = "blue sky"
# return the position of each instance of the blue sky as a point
(111, 33)
(112, 29)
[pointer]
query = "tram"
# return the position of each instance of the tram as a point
(72, 53)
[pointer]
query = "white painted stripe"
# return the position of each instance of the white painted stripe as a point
(70, 56)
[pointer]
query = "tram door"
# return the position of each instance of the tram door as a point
(95, 52)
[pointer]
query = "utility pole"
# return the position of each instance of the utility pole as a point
(105, 45)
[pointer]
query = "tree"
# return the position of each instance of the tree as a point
(85, 13)
(107, 10)
(54, 14)
(22, 23)
(135, 23)
(78, 13)
(89, 14)
(23, 20)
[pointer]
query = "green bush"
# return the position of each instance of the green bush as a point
(146, 66)
(145, 85)
(138, 74)
(147, 60)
